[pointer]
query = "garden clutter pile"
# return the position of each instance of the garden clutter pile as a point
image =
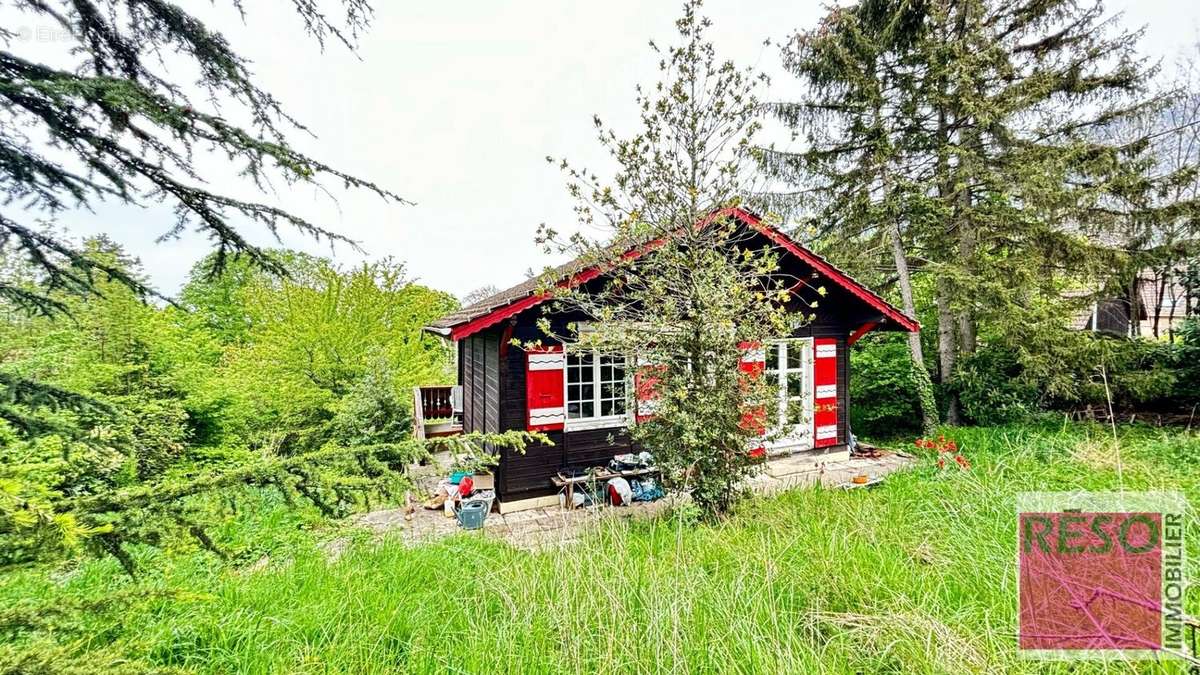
(631, 462)
(622, 492)
(627, 479)
(466, 496)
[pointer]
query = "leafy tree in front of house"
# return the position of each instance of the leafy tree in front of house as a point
(687, 310)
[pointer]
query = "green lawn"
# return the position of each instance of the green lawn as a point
(917, 575)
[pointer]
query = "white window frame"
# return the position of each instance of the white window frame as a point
(801, 435)
(596, 421)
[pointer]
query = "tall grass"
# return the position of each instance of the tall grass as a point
(917, 575)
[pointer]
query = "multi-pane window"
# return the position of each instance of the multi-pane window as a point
(595, 386)
(787, 371)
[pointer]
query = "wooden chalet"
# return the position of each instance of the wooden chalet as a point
(583, 402)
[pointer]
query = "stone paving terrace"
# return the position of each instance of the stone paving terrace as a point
(552, 526)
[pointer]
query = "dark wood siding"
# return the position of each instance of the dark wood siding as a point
(594, 447)
(478, 387)
(479, 368)
(528, 474)
(843, 392)
(491, 396)
(466, 367)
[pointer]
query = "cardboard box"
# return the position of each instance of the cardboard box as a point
(484, 481)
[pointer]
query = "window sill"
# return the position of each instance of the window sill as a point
(589, 423)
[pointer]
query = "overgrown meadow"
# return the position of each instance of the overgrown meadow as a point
(917, 575)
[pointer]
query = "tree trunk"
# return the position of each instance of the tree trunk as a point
(929, 416)
(1162, 292)
(1135, 307)
(947, 344)
(1171, 314)
(947, 350)
(967, 235)
(967, 337)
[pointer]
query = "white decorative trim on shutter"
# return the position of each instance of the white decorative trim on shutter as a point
(547, 361)
(542, 416)
(825, 392)
(754, 355)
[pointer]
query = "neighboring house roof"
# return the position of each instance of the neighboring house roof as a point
(510, 302)
(1150, 306)
(1174, 294)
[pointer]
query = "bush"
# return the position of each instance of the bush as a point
(991, 387)
(1142, 373)
(999, 384)
(1187, 382)
(883, 388)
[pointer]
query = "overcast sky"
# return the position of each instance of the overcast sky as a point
(455, 105)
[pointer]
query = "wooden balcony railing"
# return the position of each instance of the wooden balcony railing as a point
(437, 411)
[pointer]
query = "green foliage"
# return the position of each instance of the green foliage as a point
(373, 411)
(121, 426)
(998, 384)
(310, 339)
(1000, 152)
(126, 127)
(992, 390)
(1187, 388)
(884, 387)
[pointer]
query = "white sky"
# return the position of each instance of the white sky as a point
(455, 105)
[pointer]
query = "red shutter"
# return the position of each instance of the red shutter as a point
(754, 358)
(544, 370)
(645, 389)
(825, 392)
(754, 418)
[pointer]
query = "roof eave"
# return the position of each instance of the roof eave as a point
(517, 305)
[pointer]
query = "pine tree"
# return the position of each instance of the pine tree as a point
(114, 123)
(852, 175)
(980, 124)
(702, 287)
(119, 125)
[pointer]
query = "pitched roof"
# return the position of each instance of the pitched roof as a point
(512, 301)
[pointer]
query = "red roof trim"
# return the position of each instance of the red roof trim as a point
(502, 313)
(861, 331)
(862, 292)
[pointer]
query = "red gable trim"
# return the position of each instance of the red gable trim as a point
(501, 313)
(861, 331)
